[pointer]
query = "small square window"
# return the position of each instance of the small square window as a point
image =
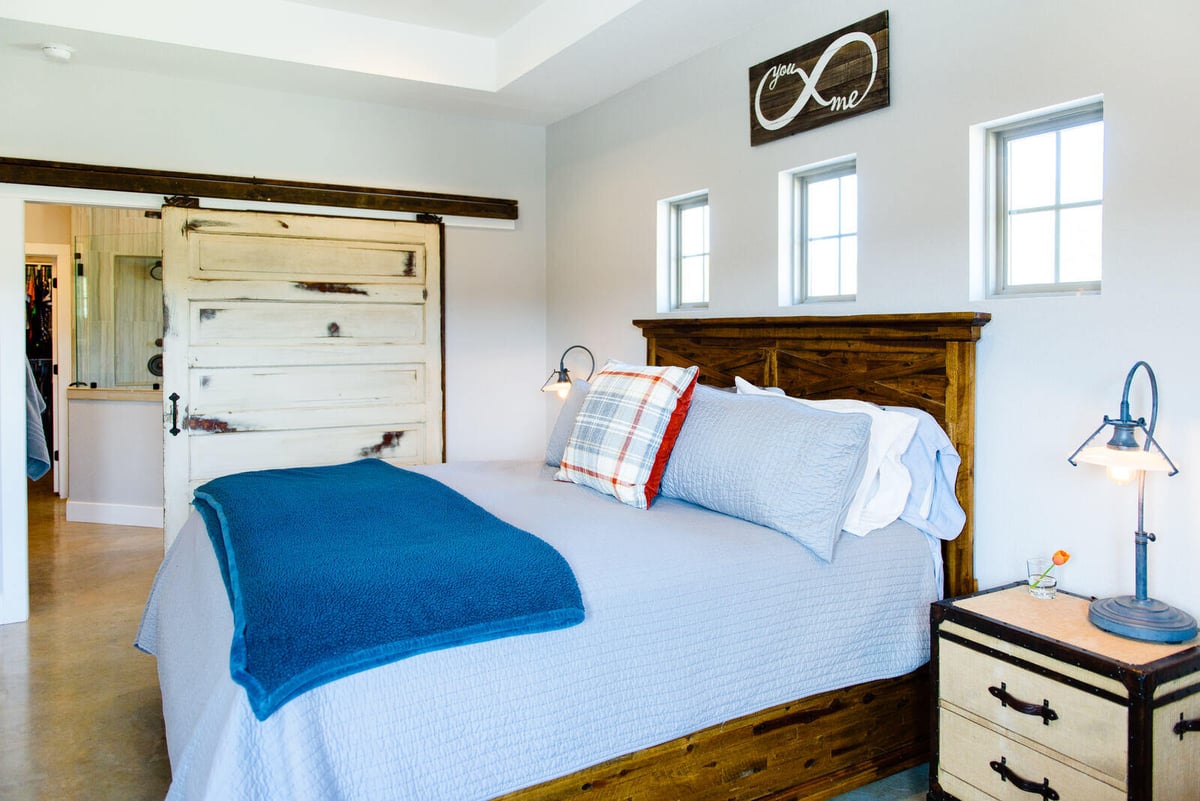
(825, 233)
(1046, 194)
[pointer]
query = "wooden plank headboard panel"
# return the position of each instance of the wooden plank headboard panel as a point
(921, 360)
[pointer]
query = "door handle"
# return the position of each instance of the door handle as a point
(174, 398)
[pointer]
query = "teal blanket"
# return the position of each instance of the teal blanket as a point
(333, 570)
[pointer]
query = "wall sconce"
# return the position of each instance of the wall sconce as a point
(560, 379)
(1136, 616)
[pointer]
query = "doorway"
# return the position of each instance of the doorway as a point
(106, 362)
(40, 288)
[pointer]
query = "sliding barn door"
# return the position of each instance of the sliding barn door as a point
(292, 340)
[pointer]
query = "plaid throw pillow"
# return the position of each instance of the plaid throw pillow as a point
(625, 430)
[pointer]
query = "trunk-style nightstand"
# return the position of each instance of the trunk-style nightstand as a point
(1034, 702)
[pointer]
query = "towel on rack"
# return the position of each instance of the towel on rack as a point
(37, 454)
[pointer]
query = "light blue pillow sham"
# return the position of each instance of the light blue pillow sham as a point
(770, 461)
(933, 462)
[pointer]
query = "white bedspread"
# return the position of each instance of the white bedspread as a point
(693, 618)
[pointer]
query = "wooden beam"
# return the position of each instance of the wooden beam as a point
(266, 190)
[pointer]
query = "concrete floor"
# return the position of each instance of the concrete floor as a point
(80, 713)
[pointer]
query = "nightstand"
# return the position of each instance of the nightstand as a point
(1033, 701)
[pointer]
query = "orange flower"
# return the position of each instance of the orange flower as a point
(1059, 558)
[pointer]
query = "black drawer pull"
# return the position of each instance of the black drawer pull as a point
(1184, 726)
(1006, 775)
(1042, 710)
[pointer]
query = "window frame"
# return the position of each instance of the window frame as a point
(998, 138)
(675, 209)
(800, 267)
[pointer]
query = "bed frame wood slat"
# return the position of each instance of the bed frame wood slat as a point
(813, 748)
(829, 743)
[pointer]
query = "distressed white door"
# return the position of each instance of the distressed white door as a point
(292, 340)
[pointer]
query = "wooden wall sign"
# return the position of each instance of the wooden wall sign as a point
(837, 76)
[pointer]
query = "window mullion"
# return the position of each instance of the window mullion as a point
(800, 242)
(1079, 204)
(1058, 207)
(677, 221)
(840, 228)
(805, 242)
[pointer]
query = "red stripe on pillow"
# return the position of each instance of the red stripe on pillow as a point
(668, 441)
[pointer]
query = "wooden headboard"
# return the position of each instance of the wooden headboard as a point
(921, 360)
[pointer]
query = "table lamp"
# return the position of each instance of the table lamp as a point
(1136, 616)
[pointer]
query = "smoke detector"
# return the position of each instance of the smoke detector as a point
(58, 52)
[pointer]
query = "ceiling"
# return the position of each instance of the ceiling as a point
(465, 16)
(530, 61)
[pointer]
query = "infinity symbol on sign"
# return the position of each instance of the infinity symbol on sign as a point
(810, 82)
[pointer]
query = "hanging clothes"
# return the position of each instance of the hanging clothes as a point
(39, 336)
(38, 311)
(37, 454)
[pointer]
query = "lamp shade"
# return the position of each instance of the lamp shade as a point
(1121, 458)
(559, 381)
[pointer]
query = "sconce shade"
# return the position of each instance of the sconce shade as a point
(560, 379)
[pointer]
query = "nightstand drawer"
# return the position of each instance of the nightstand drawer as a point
(1071, 721)
(977, 762)
(1177, 751)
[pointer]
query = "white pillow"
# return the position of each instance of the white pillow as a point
(886, 482)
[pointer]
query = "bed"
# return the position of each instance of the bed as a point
(682, 692)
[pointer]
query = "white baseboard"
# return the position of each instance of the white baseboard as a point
(14, 608)
(114, 514)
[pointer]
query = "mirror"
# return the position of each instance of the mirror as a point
(118, 310)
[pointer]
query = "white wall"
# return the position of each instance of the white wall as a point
(116, 458)
(495, 279)
(1049, 368)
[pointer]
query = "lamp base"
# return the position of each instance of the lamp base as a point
(1148, 620)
